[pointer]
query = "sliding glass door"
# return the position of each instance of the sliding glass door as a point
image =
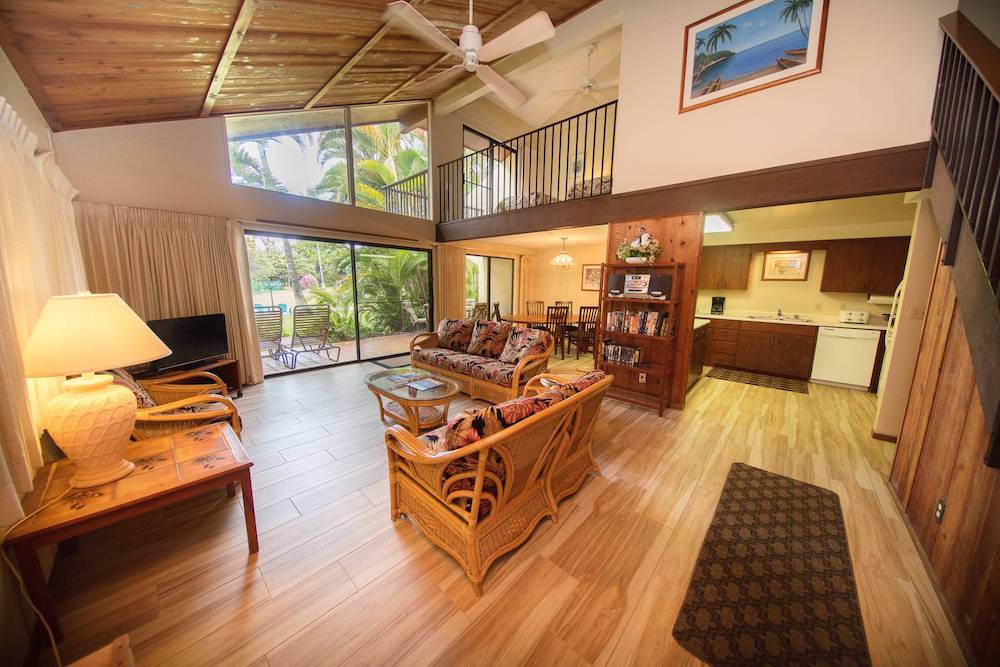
(489, 280)
(319, 302)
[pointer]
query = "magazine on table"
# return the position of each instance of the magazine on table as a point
(403, 377)
(425, 384)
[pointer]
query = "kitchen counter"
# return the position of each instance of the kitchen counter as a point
(817, 321)
(700, 322)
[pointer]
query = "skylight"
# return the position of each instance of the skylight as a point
(717, 222)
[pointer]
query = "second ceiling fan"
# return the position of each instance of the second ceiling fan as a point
(470, 48)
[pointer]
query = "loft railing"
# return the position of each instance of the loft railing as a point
(566, 160)
(408, 196)
(965, 123)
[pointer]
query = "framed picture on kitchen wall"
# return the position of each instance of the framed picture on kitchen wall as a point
(750, 46)
(787, 265)
(591, 280)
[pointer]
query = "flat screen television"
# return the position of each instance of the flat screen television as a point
(191, 339)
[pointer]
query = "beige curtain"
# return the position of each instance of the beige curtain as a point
(39, 257)
(449, 282)
(526, 281)
(167, 264)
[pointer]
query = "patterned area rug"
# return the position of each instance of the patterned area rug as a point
(773, 584)
(394, 362)
(769, 381)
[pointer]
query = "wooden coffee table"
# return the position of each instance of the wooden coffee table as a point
(167, 470)
(416, 410)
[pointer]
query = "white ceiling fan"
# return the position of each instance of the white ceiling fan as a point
(590, 87)
(470, 48)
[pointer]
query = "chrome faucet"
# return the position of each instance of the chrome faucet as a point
(779, 313)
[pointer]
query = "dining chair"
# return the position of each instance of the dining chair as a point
(555, 324)
(496, 311)
(481, 311)
(570, 328)
(535, 307)
(586, 329)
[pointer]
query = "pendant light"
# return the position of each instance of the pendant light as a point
(563, 260)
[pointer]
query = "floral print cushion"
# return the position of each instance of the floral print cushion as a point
(489, 338)
(524, 342)
(455, 334)
(473, 365)
(435, 356)
(125, 379)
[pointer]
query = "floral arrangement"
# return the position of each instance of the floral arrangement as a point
(645, 247)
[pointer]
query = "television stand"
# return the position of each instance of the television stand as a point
(227, 369)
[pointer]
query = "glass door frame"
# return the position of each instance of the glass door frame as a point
(489, 278)
(352, 245)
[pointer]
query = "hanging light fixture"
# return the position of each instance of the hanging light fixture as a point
(563, 260)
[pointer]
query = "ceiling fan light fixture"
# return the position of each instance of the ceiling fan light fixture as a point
(563, 260)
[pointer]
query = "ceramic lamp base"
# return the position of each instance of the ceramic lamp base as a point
(91, 422)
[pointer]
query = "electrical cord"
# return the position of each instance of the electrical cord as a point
(17, 575)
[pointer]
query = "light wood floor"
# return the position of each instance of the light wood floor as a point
(337, 582)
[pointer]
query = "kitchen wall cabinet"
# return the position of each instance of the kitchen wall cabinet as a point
(763, 347)
(724, 267)
(868, 266)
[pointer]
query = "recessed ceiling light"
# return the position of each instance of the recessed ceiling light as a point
(717, 222)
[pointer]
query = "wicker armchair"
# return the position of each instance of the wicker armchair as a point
(463, 505)
(179, 401)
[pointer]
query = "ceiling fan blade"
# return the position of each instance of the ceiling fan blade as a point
(504, 89)
(534, 29)
(430, 83)
(609, 83)
(566, 91)
(408, 18)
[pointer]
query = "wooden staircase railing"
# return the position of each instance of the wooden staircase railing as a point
(966, 144)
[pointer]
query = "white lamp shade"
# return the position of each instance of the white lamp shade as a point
(88, 332)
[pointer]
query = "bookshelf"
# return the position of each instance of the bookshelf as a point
(637, 337)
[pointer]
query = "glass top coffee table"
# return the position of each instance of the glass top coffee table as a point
(415, 409)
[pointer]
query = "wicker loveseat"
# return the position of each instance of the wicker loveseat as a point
(478, 486)
(489, 360)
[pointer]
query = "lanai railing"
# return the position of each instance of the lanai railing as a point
(570, 159)
(408, 196)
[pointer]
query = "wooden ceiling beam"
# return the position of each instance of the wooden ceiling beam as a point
(236, 35)
(29, 77)
(353, 60)
(419, 75)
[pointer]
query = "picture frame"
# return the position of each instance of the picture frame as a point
(590, 277)
(786, 265)
(770, 42)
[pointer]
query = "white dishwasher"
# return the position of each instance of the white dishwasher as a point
(845, 356)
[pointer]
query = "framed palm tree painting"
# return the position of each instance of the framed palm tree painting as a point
(750, 46)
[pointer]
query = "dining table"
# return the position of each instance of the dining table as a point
(525, 318)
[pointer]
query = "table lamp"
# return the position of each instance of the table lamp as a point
(91, 420)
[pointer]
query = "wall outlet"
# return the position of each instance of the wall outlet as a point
(642, 378)
(939, 510)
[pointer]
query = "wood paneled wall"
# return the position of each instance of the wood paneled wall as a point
(680, 237)
(940, 457)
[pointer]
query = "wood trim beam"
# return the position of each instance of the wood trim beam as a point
(236, 35)
(884, 171)
(419, 75)
(29, 77)
(353, 60)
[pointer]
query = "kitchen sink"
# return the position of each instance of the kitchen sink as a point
(775, 318)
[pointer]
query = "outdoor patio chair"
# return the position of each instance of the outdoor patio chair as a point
(269, 321)
(535, 307)
(481, 311)
(417, 322)
(311, 333)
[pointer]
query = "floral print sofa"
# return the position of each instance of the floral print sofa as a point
(478, 486)
(490, 360)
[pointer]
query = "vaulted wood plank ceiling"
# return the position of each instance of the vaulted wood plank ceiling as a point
(93, 63)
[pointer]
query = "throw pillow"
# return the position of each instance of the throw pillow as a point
(524, 342)
(455, 334)
(489, 338)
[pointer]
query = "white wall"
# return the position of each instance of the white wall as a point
(12, 88)
(184, 166)
(875, 91)
(553, 284)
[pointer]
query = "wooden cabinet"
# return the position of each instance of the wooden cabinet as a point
(867, 266)
(724, 267)
(888, 264)
(763, 347)
(699, 355)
